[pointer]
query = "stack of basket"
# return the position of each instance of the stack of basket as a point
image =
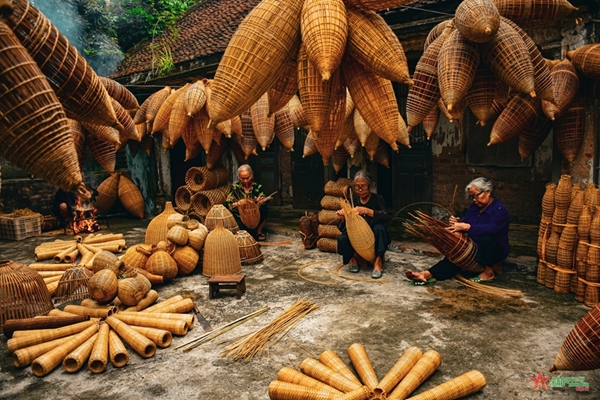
(328, 230)
(569, 240)
(204, 188)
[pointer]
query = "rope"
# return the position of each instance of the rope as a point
(312, 280)
(337, 273)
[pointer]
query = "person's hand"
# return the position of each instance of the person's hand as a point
(453, 220)
(340, 213)
(459, 227)
(261, 200)
(234, 205)
(363, 211)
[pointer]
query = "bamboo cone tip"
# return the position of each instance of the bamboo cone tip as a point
(552, 368)
(409, 128)
(532, 94)
(118, 126)
(212, 124)
(408, 81)
(325, 75)
(449, 107)
(487, 30)
(189, 114)
(570, 54)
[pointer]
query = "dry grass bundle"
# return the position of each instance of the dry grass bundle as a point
(246, 348)
(498, 291)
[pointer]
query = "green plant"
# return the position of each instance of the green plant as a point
(165, 61)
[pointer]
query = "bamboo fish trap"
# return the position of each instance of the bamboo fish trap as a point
(534, 13)
(221, 252)
(76, 84)
(477, 20)
(587, 60)
(360, 234)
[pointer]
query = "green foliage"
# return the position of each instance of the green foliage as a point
(158, 16)
(165, 61)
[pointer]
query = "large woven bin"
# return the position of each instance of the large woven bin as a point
(250, 252)
(477, 20)
(569, 130)
(534, 13)
(220, 212)
(327, 245)
(108, 193)
(23, 293)
(157, 228)
(329, 231)
(254, 58)
(131, 197)
(262, 124)
(211, 197)
(221, 252)
(332, 203)
(77, 86)
(35, 131)
(202, 178)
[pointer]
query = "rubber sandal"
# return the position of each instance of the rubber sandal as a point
(477, 279)
(419, 283)
(261, 237)
(353, 268)
(377, 273)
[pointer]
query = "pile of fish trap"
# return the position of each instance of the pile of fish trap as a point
(327, 229)
(78, 108)
(330, 378)
(95, 333)
(569, 240)
(203, 188)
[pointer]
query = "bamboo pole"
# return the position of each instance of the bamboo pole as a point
(75, 359)
(103, 238)
(39, 322)
(49, 267)
(181, 306)
(167, 301)
(363, 366)
(99, 357)
(189, 319)
(48, 334)
(427, 365)
(315, 369)
(176, 327)
(119, 356)
(25, 356)
(51, 279)
(60, 257)
(161, 337)
(331, 359)
(290, 375)
(72, 256)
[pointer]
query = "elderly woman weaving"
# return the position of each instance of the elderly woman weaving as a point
(371, 207)
(486, 222)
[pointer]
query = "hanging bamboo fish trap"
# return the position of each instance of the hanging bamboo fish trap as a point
(297, 112)
(520, 112)
(108, 193)
(220, 212)
(120, 93)
(193, 148)
(532, 137)
(284, 128)
(195, 97)
(285, 87)
(430, 121)
(128, 129)
(537, 13)
(36, 131)
(213, 156)
(155, 101)
(79, 140)
(587, 60)
(262, 124)
(437, 31)
(566, 84)
(250, 252)
(73, 285)
(103, 152)
(477, 20)
(102, 132)
(131, 197)
(77, 86)
(373, 44)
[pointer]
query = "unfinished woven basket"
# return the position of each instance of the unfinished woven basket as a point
(221, 252)
(23, 293)
(250, 252)
(220, 212)
(73, 285)
(157, 228)
(249, 213)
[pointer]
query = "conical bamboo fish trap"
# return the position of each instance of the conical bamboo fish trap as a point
(36, 131)
(194, 97)
(284, 128)
(79, 140)
(362, 364)
(238, 152)
(509, 59)
(477, 20)
(39, 322)
(381, 156)
(77, 86)
(102, 132)
(213, 156)
(248, 141)
(162, 338)
(108, 193)
(361, 128)
(250, 252)
(297, 112)
(360, 234)
(163, 114)
(157, 228)
(155, 101)
(580, 349)
(569, 130)
(458, 60)
(404, 364)
(73, 285)
(128, 130)
(75, 359)
(221, 252)
(430, 121)
(178, 119)
(141, 344)
(140, 114)
(372, 43)
(286, 390)
(289, 375)
(374, 98)
(372, 145)
(544, 86)
(120, 93)
(427, 365)
(566, 84)
(103, 152)
(23, 293)
(332, 360)
(321, 372)
(285, 87)
(351, 146)
(310, 145)
(324, 31)
(131, 197)
(532, 137)
(334, 123)
(520, 112)
(262, 125)
(456, 388)
(425, 92)
(220, 212)
(437, 31)
(534, 13)
(267, 37)
(587, 60)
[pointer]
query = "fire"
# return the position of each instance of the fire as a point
(84, 217)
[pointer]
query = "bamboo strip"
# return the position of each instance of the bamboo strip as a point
(25, 356)
(39, 322)
(99, 357)
(119, 356)
(141, 344)
(161, 337)
(170, 300)
(290, 375)
(176, 327)
(150, 298)
(181, 306)
(45, 363)
(60, 256)
(404, 364)
(331, 359)
(91, 311)
(102, 238)
(48, 334)
(75, 359)
(363, 366)
(427, 365)
(49, 267)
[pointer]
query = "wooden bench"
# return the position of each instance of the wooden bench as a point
(218, 282)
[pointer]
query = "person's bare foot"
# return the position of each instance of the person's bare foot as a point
(487, 274)
(418, 276)
(378, 266)
(361, 261)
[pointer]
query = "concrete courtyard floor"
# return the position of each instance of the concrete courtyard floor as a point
(509, 340)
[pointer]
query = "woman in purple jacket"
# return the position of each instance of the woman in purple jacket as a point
(486, 222)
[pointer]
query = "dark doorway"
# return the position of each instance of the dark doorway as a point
(179, 167)
(267, 172)
(307, 176)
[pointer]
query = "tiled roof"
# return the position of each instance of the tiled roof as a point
(203, 31)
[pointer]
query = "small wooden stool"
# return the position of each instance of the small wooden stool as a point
(217, 282)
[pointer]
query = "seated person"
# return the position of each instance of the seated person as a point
(371, 207)
(63, 206)
(486, 222)
(246, 188)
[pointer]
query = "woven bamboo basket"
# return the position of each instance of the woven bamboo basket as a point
(205, 135)
(157, 228)
(538, 13)
(532, 137)
(202, 178)
(319, 371)
(437, 31)
(287, 390)
(566, 84)
(131, 197)
(562, 194)
(284, 128)
(361, 128)
(431, 120)
(193, 148)
(591, 294)
(23, 293)
(461, 386)
(520, 112)
(324, 30)
(427, 365)
(548, 200)
(576, 207)
(331, 203)
(587, 60)
(564, 259)
(73, 285)
(161, 262)
(39, 322)
(329, 231)
(131, 291)
(262, 124)
(136, 256)
(248, 141)
(128, 130)
(477, 20)
(404, 364)
(552, 246)
(102, 286)
(359, 232)
(584, 223)
(178, 234)
(290, 375)
(309, 237)
(580, 349)
(374, 98)
(77, 86)
(221, 253)
(120, 93)
(194, 97)
(178, 118)
(249, 212)
(198, 206)
(425, 92)
(250, 252)
(155, 101)
(213, 156)
(39, 141)
(162, 338)
(569, 130)
(207, 199)
(285, 87)
(220, 212)
(187, 259)
(373, 44)
(327, 245)
(44, 335)
(338, 188)
(103, 152)
(196, 237)
(362, 364)
(102, 132)
(509, 59)
(268, 36)
(458, 61)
